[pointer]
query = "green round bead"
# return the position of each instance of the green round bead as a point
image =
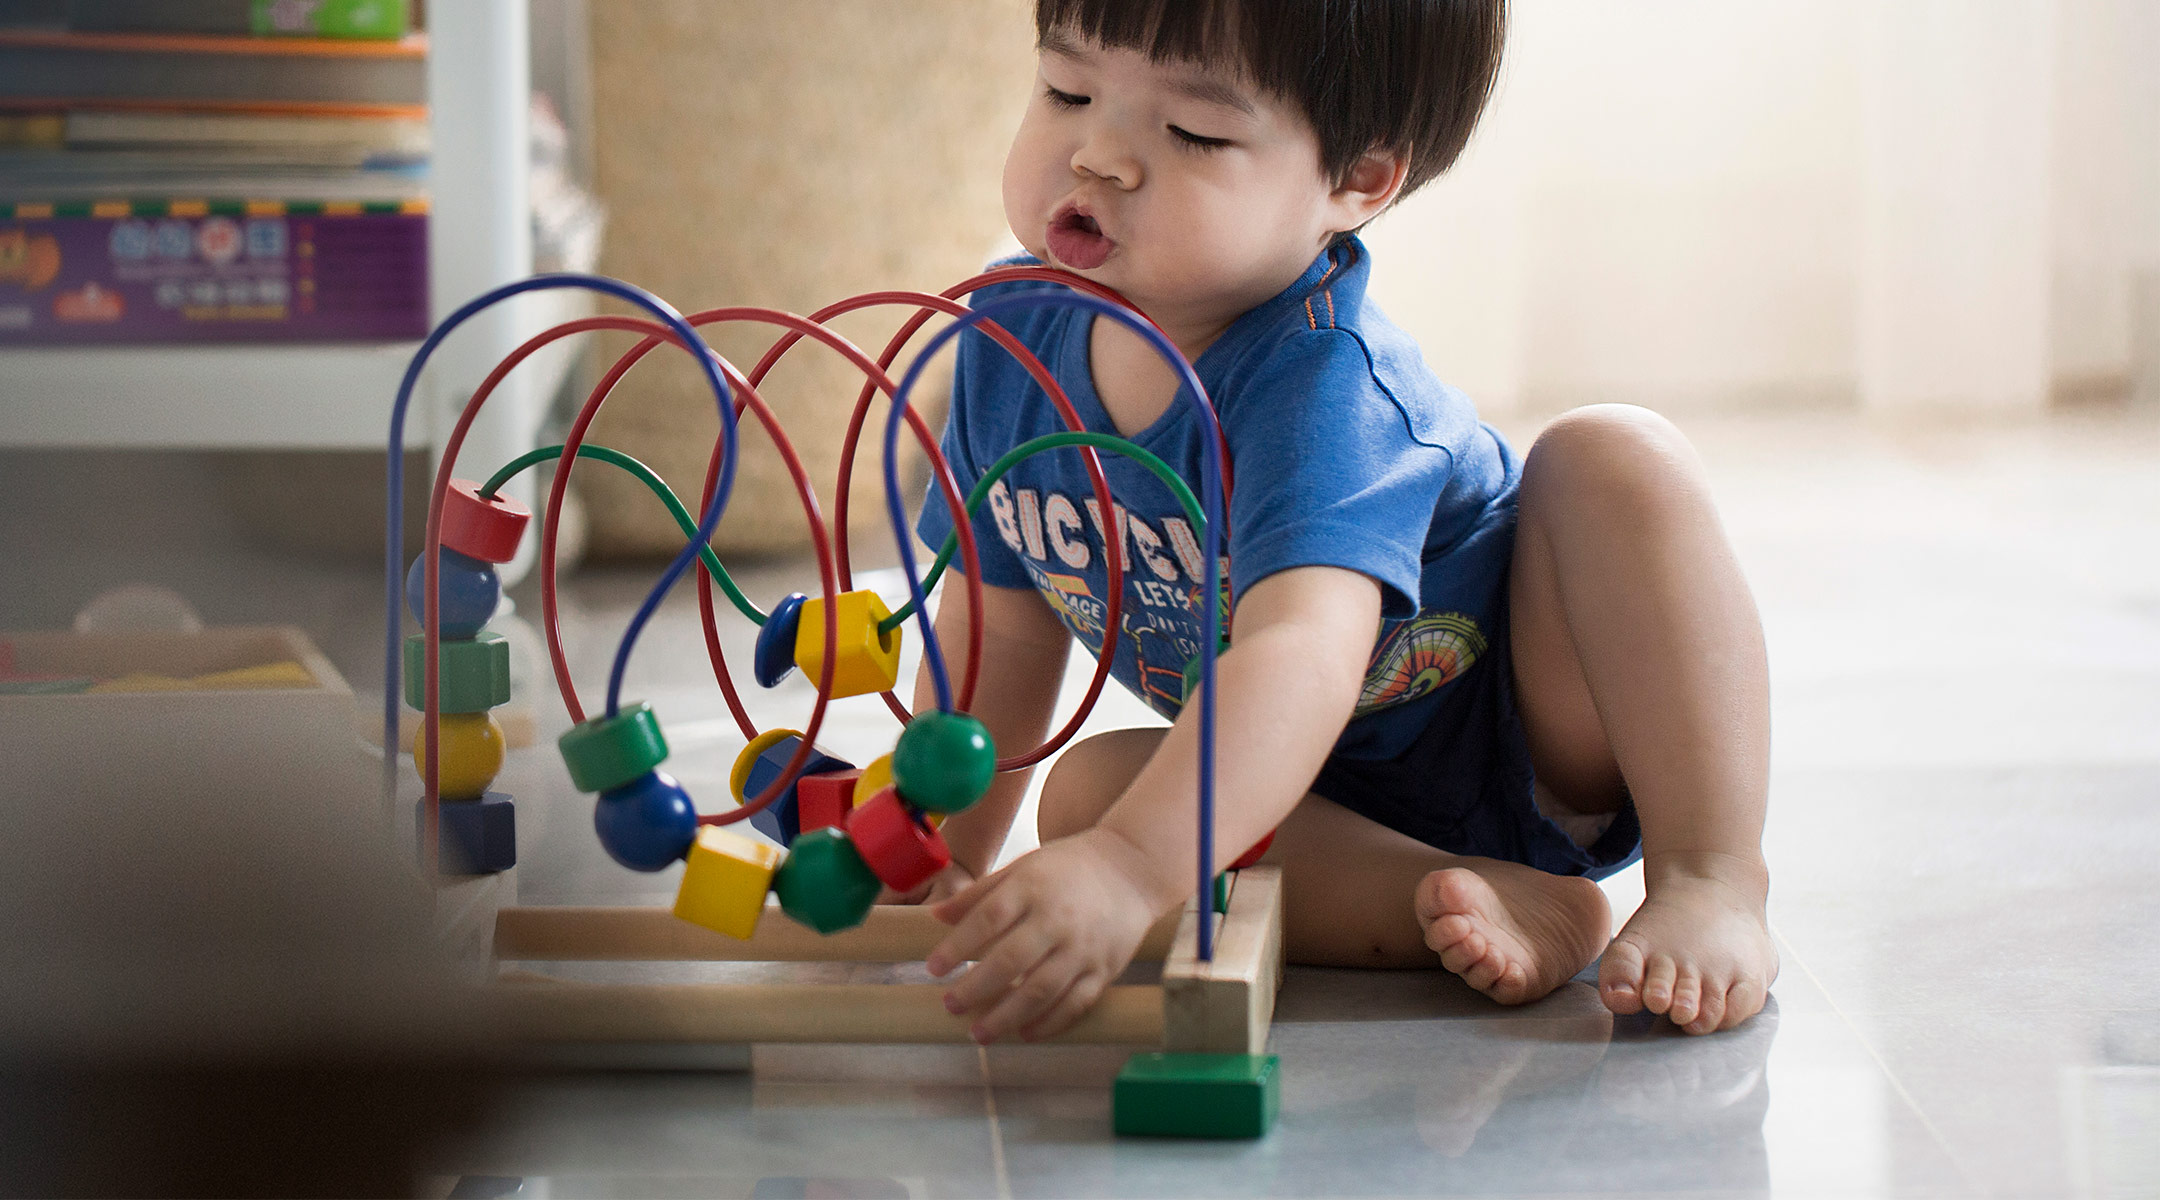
(944, 761)
(474, 673)
(608, 752)
(825, 884)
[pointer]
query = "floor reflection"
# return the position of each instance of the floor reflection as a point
(1597, 1092)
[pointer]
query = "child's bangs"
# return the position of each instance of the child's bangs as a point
(1270, 42)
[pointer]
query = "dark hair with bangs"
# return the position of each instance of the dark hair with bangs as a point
(1406, 76)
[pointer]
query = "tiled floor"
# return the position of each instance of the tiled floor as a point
(1964, 626)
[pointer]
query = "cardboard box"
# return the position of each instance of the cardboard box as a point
(302, 736)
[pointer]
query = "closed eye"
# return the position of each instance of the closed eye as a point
(1198, 142)
(1063, 99)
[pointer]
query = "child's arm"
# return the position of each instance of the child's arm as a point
(1050, 931)
(1025, 648)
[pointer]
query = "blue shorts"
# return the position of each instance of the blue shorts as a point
(1464, 785)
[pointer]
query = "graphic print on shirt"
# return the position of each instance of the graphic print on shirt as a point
(1075, 604)
(1162, 670)
(1160, 628)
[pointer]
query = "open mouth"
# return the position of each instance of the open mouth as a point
(1076, 239)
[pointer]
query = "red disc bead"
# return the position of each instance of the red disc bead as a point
(1252, 857)
(901, 849)
(488, 530)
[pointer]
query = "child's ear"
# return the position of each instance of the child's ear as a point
(1370, 185)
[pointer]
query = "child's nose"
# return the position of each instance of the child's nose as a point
(1106, 156)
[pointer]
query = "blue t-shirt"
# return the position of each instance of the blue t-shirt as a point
(1345, 451)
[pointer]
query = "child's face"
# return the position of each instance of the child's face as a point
(1187, 189)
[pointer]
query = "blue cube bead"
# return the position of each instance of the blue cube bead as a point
(479, 837)
(782, 820)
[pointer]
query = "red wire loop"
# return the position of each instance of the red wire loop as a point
(833, 566)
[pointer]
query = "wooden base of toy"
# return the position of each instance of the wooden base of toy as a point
(1221, 1006)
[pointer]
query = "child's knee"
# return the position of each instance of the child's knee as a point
(1616, 457)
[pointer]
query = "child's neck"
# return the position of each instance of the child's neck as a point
(1133, 382)
(1131, 379)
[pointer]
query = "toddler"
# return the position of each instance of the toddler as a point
(1462, 684)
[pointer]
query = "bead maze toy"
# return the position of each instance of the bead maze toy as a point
(839, 833)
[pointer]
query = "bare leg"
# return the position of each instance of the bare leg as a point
(1640, 671)
(1513, 932)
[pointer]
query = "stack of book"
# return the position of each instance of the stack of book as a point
(213, 170)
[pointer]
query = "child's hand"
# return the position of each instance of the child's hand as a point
(937, 889)
(1047, 934)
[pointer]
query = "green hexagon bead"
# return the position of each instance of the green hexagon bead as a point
(825, 884)
(607, 752)
(943, 761)
(475, 673)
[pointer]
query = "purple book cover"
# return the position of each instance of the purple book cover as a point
(120, 273)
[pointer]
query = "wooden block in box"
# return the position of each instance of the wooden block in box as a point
(55, 744)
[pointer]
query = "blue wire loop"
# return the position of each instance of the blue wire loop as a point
(1211, 502)
(393, 540)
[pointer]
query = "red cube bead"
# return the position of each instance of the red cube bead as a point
(823, 801)
(900, 847)
(488, 530)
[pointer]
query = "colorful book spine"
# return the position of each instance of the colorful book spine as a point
(368, 19)
(165, 271)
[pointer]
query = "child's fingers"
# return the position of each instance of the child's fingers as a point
(1025, 1003)
(957, 906)
(1086, 989)
(1014, 955)
(975, 924)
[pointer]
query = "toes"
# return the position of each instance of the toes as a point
(1686, 998)
(1657, 988)
(1462, 956)
(1445, 891)
(1450, 930)
(1742, 1001)
(1710, 1014)
(1512, 986)
(1620, 978)
(1485, 971)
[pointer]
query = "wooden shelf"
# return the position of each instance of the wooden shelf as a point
(239, 397)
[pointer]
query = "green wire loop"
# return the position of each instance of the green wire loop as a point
(659, 488)
(975, 499)
(1029, 449)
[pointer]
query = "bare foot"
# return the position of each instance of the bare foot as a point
(1698, 950)
(1512, 932)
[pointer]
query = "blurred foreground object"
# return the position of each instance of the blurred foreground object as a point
(219, 975)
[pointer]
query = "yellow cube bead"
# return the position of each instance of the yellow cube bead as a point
(724, 885)
(472, 754)
(868, 661)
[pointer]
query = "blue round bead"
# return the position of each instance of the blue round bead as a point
(775, 658)
(470, 591)
(646, 823)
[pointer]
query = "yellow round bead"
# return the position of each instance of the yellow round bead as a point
(472, 754)
(739, 776)
(876, 778)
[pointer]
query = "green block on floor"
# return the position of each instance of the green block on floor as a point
(1197, 1095)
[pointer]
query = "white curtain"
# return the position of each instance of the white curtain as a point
(1908, 204)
